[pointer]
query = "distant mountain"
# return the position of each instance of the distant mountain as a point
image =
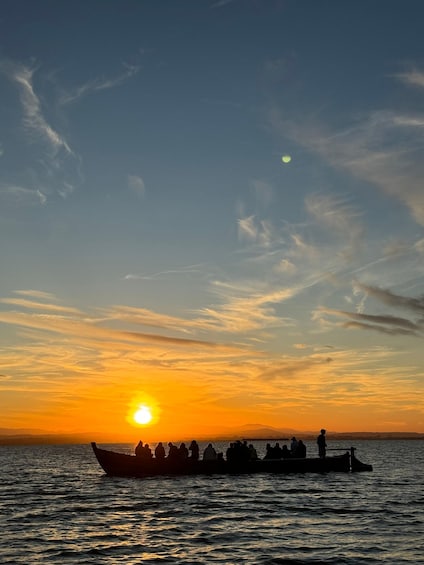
(258, 431)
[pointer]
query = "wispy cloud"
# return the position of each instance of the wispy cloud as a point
(136, 184)
(22, 195)
(98, 84)
(34, 118)
(336, 213)
(413, 77)
(391, 299)
(244, 309)
(240, 309)
(188, 270)
(148, 318)
(259, 232)
(369, 152)
(387, 324)
(34, 305)
(221, 3)
(40, 294)
(51, 166)
(286, 266)
(383, 323)
(89, 329)
(247, 228)
(419, 246)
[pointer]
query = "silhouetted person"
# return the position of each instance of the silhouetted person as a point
(253, 455)
(160, 451)
(183, 451)
(139, 449)
(230, 453)
(209, 454)
(173, 451)
(300, 449)
(321, 443)
(269, 452)
(241, 451)
(278, 451)
(194, 448)
(147, 453)
(285, 452)
(293, 445)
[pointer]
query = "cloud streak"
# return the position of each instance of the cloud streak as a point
(413, 77)
(34, 118)
(189, 270)
(391, 325)
(98, 84)
(50, 165)
(22, 195)
(383, 323)
(391, 299)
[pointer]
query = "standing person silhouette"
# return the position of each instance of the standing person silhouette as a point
(322, 444)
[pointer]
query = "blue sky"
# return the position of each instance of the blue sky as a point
(143, 197)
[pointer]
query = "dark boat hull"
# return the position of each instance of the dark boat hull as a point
(124, 465)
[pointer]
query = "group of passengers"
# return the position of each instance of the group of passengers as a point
(238, 451)
(175, 453)
(297, 450)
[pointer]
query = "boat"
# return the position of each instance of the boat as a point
(117, 464)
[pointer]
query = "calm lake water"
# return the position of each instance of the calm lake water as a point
(57, 506)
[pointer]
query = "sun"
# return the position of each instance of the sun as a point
(143, 415)
(142, 410)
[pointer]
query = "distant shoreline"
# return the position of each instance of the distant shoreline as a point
(78, 439)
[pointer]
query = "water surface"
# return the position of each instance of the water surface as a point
(57, 506)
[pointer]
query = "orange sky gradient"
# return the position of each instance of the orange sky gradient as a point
(71, 371)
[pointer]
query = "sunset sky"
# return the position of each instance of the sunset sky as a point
(156, 249)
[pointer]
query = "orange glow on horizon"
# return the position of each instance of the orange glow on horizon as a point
(210, 397)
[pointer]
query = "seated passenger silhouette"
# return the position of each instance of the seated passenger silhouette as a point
(160, 451)
(173, 451)
(285, 452)
(278, 451)
(183, 452)
(209, 454)
(269, 452)
(253, 455)
(147, 453)
(194, 448)
(300, 449)
(231, 453)
(139, 449)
